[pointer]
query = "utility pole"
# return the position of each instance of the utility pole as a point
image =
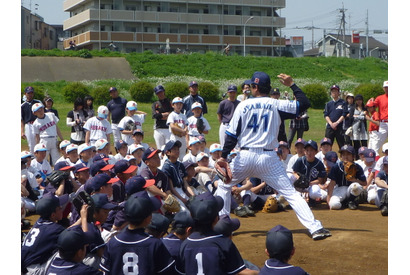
(310, 28)
(367, 33)
(324, 42)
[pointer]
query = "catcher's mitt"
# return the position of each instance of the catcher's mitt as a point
(130, 125)
(200, 125)
(84, 198)
(56, 177)
(223, 170)
(175, 132)
(302, 182)
(271, 205)
(350, 170)
(171, 204)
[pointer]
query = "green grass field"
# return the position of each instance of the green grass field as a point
(316, 124)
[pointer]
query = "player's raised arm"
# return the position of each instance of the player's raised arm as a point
(303, 101)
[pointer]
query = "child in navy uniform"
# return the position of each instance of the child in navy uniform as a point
(205, 251)
(280, 249)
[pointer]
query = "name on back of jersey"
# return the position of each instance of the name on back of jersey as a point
(258, 105)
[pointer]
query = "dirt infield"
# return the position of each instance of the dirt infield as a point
(359, 242)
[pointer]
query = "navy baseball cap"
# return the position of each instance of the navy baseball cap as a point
(189, 163)
(49, 202)
(101, 201)
(193, 83)
(98, 166)
(204, 208)
(331, 158)
(112, 89)
(159, 89)
(88, 186)
(123, 166)
(80, 167)
(232, 88)
(279, 240)
(226, 226)
(347, 148)
(275, 91)
(120, 143)
(312, 144)
(63, 166)
(300, 141)
(261, 79)
(361, 150)
(159, 222)
(369, 155)
(283, 143)
(138, 131)
(99, 181)
(74, 238)
(100, 156)
(139, 206)
(325, 140)
(170, 144)
(29, 89)
(182, 219)
(386, 160)
(136, 184)
(335, 87)
(149, 153)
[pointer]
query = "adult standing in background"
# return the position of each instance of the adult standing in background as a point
(360, 136)
(88, 105)
(382, 103)
(27, 118)
(348, 121)
(48, 106)
(160, 111)
(334, 113)
(116, 106)
(76, 119)
(297, 126)
(225, 112)
(192, 98)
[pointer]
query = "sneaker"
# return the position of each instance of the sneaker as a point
(352, 205)
(384, 210)
(249, 211)
(240, 211)
(321, 234)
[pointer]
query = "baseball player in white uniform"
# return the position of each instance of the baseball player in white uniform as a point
(132, 115)
(177, 116)
(254, 127)
(98, 127)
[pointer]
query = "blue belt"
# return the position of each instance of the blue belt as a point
(267, 150)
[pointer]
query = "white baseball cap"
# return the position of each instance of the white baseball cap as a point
(200, 156)
(134, 147)
(132, 105)
(25, 154)
(129, 157)
(64, 144)
(233, 152)
(100, 144)
(176, 100)
(84, 147)
(385, 147)
(36, 107)
(102, 111)
(215, 147)
(196, 105)
(71, 147)
(386, 84)
(193, 140)
(40, 147)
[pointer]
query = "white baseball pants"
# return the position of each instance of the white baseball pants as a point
(222, 129)
(340, 193)
(30, 136)
(161, 137)
(115, 132)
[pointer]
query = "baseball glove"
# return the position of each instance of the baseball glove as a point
(84, 198)
(174, 131)
(271, 205)
(130, 125)
(171, 204)
(350, 170)
(302, 182)
(223, 170)
(56, 177)
(200, 125)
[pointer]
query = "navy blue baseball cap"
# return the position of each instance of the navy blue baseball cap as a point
(112, 89)
(193, 83)
(120, 143)
(300, 141)
(226, 226)
(311, 143)
(159, 222)
(325, 140)
(347, 148)
(279, 240)
(74, 238)
(138, 131)
(189, 163)
(99, 181)
(170, 144)
(80, 167)
(29, 89)
(274, 91)
(331, 158)
(232, 88)
(49, 202)
(123, 166)
(159, 89)
(136, 184)
(182, 219)
(139, 206)
(63, 166)
(98, 166)
(369, 155)
(261, 79)
(100, 156)
(149, 153)
(204, 208)
(335, 87)
(361, 150)
(101, 201)
(386, 160)
(283, 143)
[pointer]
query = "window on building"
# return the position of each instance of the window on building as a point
(102, 28)
(238, 11)
(28, 19)
(45, 32)
(51, 35)
(36, 24)
(353, 51)
(332, 42)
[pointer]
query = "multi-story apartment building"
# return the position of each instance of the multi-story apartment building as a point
(187, 25)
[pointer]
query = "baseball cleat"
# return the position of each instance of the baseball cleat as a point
(240, 211)
(249, 211)
(321, 234)
(352, 205)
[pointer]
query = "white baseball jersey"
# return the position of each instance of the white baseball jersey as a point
(177, 118)
(192, 129)
(98, 128)
(255, 122)
(43, 168)
(47, 126)
(138, 120)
